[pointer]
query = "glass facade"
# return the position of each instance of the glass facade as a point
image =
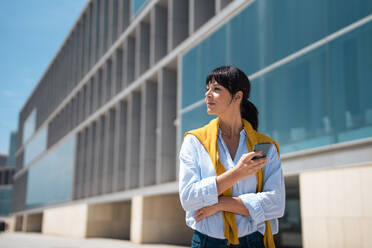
(50, 180)
(137, 5)
(36, 146)
(318, 98)
(12, 149)
(5, 201)
(29, 126)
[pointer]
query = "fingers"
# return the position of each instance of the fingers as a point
(199, 215)
(248, 156)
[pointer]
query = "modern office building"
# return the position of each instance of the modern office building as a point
(99, 135)
(7, 171)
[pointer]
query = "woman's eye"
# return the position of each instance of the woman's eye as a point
(216, 88)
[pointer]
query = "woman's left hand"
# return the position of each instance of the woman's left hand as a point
(206, 212)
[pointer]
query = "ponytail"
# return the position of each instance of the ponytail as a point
(250, 113)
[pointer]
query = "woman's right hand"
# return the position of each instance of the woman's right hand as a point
(247, 167)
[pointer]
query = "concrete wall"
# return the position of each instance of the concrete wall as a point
(32, 222)
(109, 220)
(336, 207)
(67, 221)
(159, 219)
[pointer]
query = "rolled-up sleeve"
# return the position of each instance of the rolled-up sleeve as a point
(195, 192)
(270, 203)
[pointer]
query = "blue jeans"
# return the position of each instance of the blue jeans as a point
(253, 240)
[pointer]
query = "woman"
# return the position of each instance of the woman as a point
(219, 183)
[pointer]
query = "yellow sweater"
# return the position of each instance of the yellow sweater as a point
(207, 135)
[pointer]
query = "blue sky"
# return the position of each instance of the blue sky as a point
(31, 32)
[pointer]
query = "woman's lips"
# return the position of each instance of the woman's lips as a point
(210, 103)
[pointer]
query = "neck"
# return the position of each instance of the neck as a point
(230, 125)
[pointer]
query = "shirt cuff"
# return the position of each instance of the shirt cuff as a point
(252, 203)
(209, 188)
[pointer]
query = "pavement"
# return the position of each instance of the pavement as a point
(37, 240)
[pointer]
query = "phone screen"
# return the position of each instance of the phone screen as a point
(263, 147)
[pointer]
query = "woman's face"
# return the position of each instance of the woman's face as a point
(217, 98)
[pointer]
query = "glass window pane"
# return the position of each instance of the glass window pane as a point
(50, 179)
(36, 146)
(351, 84)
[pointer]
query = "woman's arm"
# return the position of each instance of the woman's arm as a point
(246, 167)
(270, 203)
(195, 192)
(262, 206)
(225, 203)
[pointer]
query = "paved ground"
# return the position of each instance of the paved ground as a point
(36, 240)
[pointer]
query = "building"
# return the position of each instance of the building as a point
(99, 135)
(7, 170)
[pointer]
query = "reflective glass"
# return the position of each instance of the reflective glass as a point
(36, 146)
(293, 103)
(29, 126)
(50, 179)
(5, 201)
(195, 118)
(351, 84)
(263, 33)
(137, 5)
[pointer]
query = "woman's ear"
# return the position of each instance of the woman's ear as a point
(238, 96)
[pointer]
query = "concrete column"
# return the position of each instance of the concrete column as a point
(158, 34)
(104, 84)
(87, 39)
(91, 96)
(110, 21)
(97, 152)
(166, 131)
(115, 13)
(84, 103)
(109, 91)
(97, 36)
(76, 55)
(101, 154)
(200, 13)
(81, 50)
(120, 146)
(106, 26)
(95, 93)
(109, 152)
(117, 71)
(123, 15)
(128, 61)
(83, 165)
(133, 138)
(148, 134)
(178, 22)
(88, 162)
(18, 223)
(142, 48)
(93, 30)
(221, 4)
(101, 31)
(32, 223)
(158, 219)
(76, 191)
(109, 220)
(100, 91)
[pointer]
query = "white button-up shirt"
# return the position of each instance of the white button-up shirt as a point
(198, 188)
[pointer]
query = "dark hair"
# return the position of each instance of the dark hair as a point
(235, 80)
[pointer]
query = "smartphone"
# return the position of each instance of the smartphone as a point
(263, 147)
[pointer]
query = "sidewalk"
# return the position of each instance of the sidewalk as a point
(37, 240)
